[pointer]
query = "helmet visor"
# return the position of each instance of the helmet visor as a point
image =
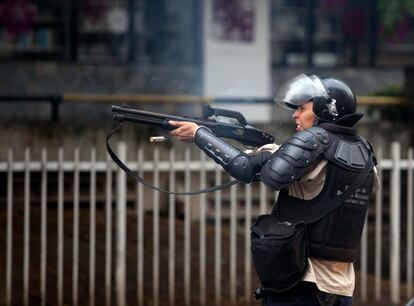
(298, 91)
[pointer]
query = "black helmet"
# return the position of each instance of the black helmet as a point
(332, 98)
(340, 102)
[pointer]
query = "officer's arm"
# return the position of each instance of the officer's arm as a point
(291, 160)
(241, 166)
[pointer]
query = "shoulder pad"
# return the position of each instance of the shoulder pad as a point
(352, 154)
(366, 143)
(310, 139)
(370, 148)
(294, 156)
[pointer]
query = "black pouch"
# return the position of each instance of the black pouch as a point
(279, 251)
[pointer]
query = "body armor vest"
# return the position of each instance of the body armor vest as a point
(337, 235)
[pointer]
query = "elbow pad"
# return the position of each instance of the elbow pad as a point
(289, 163)
(239, 165)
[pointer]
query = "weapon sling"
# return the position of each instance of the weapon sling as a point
(128, 171)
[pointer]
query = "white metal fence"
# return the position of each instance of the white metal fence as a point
(211, 267)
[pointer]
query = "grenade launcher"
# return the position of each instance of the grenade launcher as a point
(235, 127)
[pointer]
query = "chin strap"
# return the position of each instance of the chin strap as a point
(142, 181)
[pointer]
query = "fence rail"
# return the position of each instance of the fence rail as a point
(56, 100)
(197, 266)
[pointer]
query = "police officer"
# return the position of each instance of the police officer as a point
(319, 162)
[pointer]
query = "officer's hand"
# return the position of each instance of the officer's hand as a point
(185, 131)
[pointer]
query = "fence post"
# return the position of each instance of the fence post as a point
(140, 230)
(410, 226)
(395, 223)
(43, 247)
(187, 230)
(171, 231)
(203, 212)
(75, 262)
(263, 199)
(247, 256)
(9, 248)
(364, 261)
(60, 228)
(378, 230)
(217, 238)
(233, 245)
(26, 237)
(156, 230)
(92, 228)
(108, 233)
(120, 229)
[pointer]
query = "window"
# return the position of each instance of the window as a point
(31, 30)
(156, 32)
(329, 33)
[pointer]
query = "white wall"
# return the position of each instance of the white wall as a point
(232, 68)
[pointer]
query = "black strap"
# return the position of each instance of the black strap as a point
(318, 214)
(142, 181)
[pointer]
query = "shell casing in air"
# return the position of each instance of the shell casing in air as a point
(158, 138)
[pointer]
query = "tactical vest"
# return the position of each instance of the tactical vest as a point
(337, 235)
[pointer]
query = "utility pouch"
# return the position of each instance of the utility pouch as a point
(279, 251)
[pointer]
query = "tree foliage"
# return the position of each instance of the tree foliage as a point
(393, 11)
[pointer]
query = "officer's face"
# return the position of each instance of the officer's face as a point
(303, 116)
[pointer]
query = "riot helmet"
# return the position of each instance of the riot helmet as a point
(332, 98)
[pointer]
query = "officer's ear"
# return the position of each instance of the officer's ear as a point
(319, 107)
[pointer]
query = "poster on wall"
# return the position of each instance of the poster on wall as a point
(233, 20)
